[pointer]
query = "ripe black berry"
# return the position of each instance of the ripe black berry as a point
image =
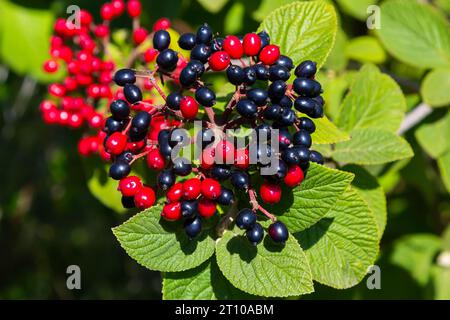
(205, 137)
(284, 102)
(307, 124)
(246, 219)
(119, 170)
(281, 171)
(302, 153)
(302, 138)
(285, 139)
(305, 105)
(141, 121)
(181, 167)
(124, 76)
(112, 125)
(161, 40)
(272, 112)
(119, 109)
(235, 75)
(187, 41)
(240, 180)
(226, 197)
(173, 100)
(188, 76)
(125, 156)
(258, 96)
(189, 208)
(193, 227)
(204, 34)
(255, 234)
(318, 112)
(128, 202)
(221, 172)
(197, 66)
(205, 96)
(290, 156)
(277, 72)
(249, 76)
(265, 39)
(166, 179)
(306, 69)
(132, 93)
(307, 87)
(277, 89)
(287, 118)
(167, 60)
(278, 232)
(263, 132)
(247, 108)
(316, 157)
(201, 52)
(286, 62)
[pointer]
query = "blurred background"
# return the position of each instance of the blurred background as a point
(49, 218)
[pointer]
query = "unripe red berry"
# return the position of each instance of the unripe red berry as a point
(145, 198)
(118, 6)
(84, 147)
(211, 188)
(51, 66)
(95, 120)
(208, 158)
(161, 24)
(219, 61)
(57, 90)
(130, 185)
(269, 54)
(188, 107)
(101, 31)
(192, 188)
(150, 55)
(139, 35)
(107, 12)
(172, 211)
(155, 160)
(70, 83)
(47, 105)
(206, 208)
(51, 116)
(233, 46)
(270, 193)
(242, 159)
(294, 176)
(134, 8)
(175, 192)
(224, 152)
(251, 44)
(116, 143)
(75, 121)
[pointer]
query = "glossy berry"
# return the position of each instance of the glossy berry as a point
(284, 139)
(189, 209)
(287, 118)
(255, 234)
(278, 232)
(247, 108)
(161, 23)
(181, 167)
(161, 40)
(302, 138)
(307, 124)
(221, 172)
(277, 89)
(139, 35)
(119, 170)
(187, 41)
(172, 211)
(145, 198)
(265, 39)
(249, 76)
(219, 61)
(226, 197)
(51, 66)
(167, 59)
(134, 8)
(272, 112)
(175, 192)
(246, 219)
(188, 77)
(204, 34)
(206, 208)
(205, 96)
(270, 193)
(303, 154)
(126, 156)
(242, 159)
(116, 143)
(173, 100)
(112, 125)
(141, 121)
(316, 157)
(129, 186)
(120, 109)
(261, 71)
(294, 176)
(233, 46)
(258, 96)
(285, 102)
(240, 180)
(128, 202)
(269, 54)
(251, 44)
(132, 93)
(193, 227)
(305, 105)
(280, 172)
(235, 75)
(277, 72)
(197, 66)
(210, 188)
(306, 69)
(286, 62)
(188, 107)
(192, 188)
(155, 160)
(165, 179)
(307, 87)
(201, 52)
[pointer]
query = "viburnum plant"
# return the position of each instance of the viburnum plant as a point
(293, 176)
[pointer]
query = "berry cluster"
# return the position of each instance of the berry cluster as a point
(263, 100)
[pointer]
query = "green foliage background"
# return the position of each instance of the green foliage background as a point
(49, 218)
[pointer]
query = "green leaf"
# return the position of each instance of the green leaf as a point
(268, 269)
(433, 137)
(415, 33)
(234, 19)
(25, 39)
(374, 101)
(444, 168)
(337, 60)
(213, 6)
(204, 282)
(327, 133)
(105, 190)
(415, 254)
(434, 89)
(365, 49)
(334, 89)
(303, 30)
(371, 192)
(372, 146)
(308, 203)
(356, 8)
(267, 7)
(342, 245)
(440, 279)
(160, 245)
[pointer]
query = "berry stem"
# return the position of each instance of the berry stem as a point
(256, 206)
(211, 115)
(140, 155)
(228, 219)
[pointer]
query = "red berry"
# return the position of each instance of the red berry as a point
(294, 176)
(206, 208)
(116, 143)
(172, 211)
(233, 46)
(211, 188)
(130, 185)
(269, 54)
(84, 147)
(270, 193)
(161, 24)
(139, 35)
(101, 31)
(155, 160)
(145, 198)
(219, 61)
(57, 90)
(134, 8)
(224, 152)
(51, 66)
(75, 121)
(192, 188)
(188, 107)
(150, 55)
(107, 11)
(118, 6)
(242, 159)
(47, 105)
(208, 158)
(70, 83)
(175, 193)
(252, 44)
(51, 116)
